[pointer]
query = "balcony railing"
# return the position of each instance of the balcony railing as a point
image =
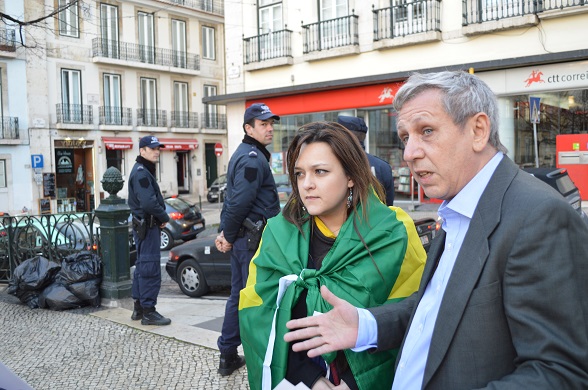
(184, 119)
(214, 120)
(7, 40)
(120, 116)
(331, 33)
(74, 113)
(146, 54)
(212, 6)
(9, 128)
(152, 118)
(275, 44)
(408, 18)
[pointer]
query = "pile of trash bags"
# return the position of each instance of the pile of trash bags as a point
(39, 282)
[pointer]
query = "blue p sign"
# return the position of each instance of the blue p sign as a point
(37, 160)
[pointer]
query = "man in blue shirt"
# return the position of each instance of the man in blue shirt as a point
(503, 302)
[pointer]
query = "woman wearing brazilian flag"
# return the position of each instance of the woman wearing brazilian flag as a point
(333, 231)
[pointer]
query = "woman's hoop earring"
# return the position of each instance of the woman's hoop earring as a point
(350, 198)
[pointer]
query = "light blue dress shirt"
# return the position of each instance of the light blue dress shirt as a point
(456, 215)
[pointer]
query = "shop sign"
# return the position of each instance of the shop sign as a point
(64, 160)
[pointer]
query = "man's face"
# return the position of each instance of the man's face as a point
(150, 154)
(262, 131)
(442, 157)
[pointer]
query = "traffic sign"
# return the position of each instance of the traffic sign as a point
(37, 160)
(218, 149)
(534, 108)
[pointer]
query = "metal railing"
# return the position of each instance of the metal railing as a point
(331, 33)
(213, 6)
(184, 119)
(214, 121)
(9, 128)
(144, 54)
(152, 118)
(121, 116)
(7, 40)
(53, 236)
(74, 113)
(408, 18)
(275, 44)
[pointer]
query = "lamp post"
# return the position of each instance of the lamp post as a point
(113, 214)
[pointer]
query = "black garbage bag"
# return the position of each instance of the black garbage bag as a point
(58, 297)
(88, 291)
(30, 278)
(79, 267)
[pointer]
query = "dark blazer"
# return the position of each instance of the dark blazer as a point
(515, 311)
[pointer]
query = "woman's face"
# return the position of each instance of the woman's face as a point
(322, 184)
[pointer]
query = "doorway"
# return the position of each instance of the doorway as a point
(211, 164)
(183, 172)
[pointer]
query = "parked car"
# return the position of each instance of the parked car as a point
(559, 179)
(185, 222)
(197, 265)
(217, 189)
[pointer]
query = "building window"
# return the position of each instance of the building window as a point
(270, 16)
(181, 104)
(149, 101)
(146, 37)
(109, 30)
(116, 158)
(112, 99)
(68, 19)
(210, 112)
(2, 173)
(179, 43)
(71, 95)
(208, 46)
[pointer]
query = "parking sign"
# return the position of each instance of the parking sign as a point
(37, 160)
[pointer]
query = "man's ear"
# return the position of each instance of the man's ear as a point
(481, 131)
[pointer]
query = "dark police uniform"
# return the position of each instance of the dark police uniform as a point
(145, 200)
(251, 193)
(383, 173)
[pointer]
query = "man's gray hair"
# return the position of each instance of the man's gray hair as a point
(464, 96)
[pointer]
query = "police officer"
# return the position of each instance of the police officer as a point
(251, 196)
(149, 216)
(380, 168)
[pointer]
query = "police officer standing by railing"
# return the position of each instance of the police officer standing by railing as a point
(251, 198)
(149, 217)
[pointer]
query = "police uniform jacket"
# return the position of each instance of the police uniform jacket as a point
(251, 189)
(144, 194)
(383, 173)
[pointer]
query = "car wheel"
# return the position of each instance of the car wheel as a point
(167, 241)
(191, 279)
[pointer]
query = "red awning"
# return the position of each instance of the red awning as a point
(179, 144)
(117, 143)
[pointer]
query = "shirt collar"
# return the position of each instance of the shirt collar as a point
(466, 200)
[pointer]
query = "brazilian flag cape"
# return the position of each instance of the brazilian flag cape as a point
(278, 275)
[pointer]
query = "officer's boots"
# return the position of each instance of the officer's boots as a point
(137, 311)
(230, 362)
(152, 317)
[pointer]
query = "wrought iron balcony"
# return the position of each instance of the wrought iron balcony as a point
(7, 40)
(275, 44)
(475, 11)
(151, 118)
(404, 19)
(331, 33)
(213, 6)
(212, 120)
(9, 128)
(184, 119)
(145, 54)
(120, 116)
(74, 113)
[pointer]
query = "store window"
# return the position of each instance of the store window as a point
(560, 112)
(116, 158)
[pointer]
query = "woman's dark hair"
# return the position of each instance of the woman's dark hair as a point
(350, 154)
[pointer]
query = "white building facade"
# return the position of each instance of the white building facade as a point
(103, 75)
(314, 60)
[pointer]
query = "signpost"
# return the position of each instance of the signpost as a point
(534, 111)
(218, 149)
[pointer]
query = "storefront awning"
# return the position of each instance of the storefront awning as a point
(117, 143)
(179, 144)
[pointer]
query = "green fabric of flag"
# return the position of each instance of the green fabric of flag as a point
(347, 270)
